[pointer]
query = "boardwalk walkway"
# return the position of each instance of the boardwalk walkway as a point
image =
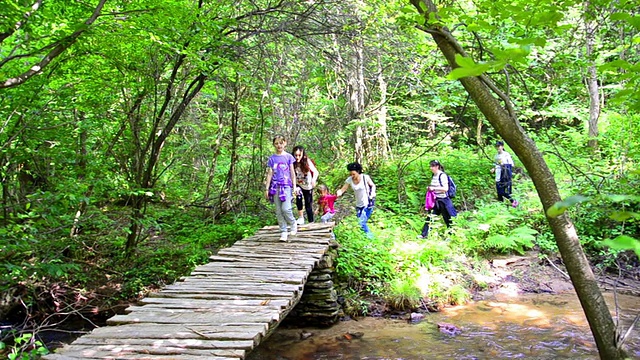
(221, 311)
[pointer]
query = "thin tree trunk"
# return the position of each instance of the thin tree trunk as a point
(356, 99)
(479, 131)
(482, 92)
(383, 150)
(82, 170)
(217, 146)
(592, 79)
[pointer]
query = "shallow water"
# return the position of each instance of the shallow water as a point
(536, 326)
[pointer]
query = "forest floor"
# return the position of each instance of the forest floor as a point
(532, 273)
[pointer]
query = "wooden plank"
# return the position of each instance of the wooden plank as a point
(270, 257)
(123, 351)
(241, 288)
(264, 262)
(221, 278)
(232, 292)
(162, 317)
(300, 248)
(275, 255)
(253, 332)
(274, 313)
(219, 309)
(254, 304)
(247, 285)
(235, 262)
(217, 296)
(249, 242)
(182, 343)
(134, 356)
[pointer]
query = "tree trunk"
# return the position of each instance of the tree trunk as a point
(479, 132)
(592, 79)
(482, 92)
(356, 87)
(383, 150)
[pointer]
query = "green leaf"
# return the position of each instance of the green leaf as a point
(620, 16)
(560, 207)
(621, 198)
(461, 72)
(624, 215)
(464, 61)
(624, 242)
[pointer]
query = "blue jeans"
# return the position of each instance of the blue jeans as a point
(504, 190)
(363, 214)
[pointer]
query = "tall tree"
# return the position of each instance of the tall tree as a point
(501, 116)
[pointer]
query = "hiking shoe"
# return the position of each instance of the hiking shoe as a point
(283, 236)
(515, 203)
(294, 229)
(300, 221)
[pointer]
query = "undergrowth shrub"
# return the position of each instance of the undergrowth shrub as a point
(494, 229)
(403, 294)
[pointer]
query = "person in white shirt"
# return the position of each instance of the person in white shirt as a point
(365, 193)
(503, 169)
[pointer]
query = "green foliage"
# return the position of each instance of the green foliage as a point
(22, 346)
(354, 303)
(458, 295)
(403, 294)
(493, 228)
(364, 262)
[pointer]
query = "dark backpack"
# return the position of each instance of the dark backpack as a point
(451, 193)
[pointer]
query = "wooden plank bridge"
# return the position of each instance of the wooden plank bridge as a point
(221, 311)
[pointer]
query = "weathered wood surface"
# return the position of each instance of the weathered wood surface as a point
(221, 311)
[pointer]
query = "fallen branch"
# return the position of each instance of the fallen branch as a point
(559, 270)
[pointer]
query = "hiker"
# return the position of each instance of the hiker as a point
(503, 168)
(306, 178)
(279, 186)
(365, 194)
(443, 205)
(325, 203)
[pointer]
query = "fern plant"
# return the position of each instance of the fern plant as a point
(518, 240)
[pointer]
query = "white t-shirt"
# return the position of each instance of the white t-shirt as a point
(438, 180)
(360, 190)
(502, 159)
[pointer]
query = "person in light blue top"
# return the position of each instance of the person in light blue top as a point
(365, 193)
(279, 186)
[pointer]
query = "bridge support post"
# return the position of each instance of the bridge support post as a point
(318, 305)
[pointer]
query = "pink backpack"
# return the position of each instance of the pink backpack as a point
(430, 200)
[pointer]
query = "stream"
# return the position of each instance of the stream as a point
(534, 326)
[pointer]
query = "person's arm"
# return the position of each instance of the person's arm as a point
(342, 189)
(370, 182)
(314, 172)
(268, 182)
(292, 169)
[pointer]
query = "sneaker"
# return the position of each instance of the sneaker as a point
(283, 236)
(515, 203)
(300, 221)
(421, 237)
(294, 229)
